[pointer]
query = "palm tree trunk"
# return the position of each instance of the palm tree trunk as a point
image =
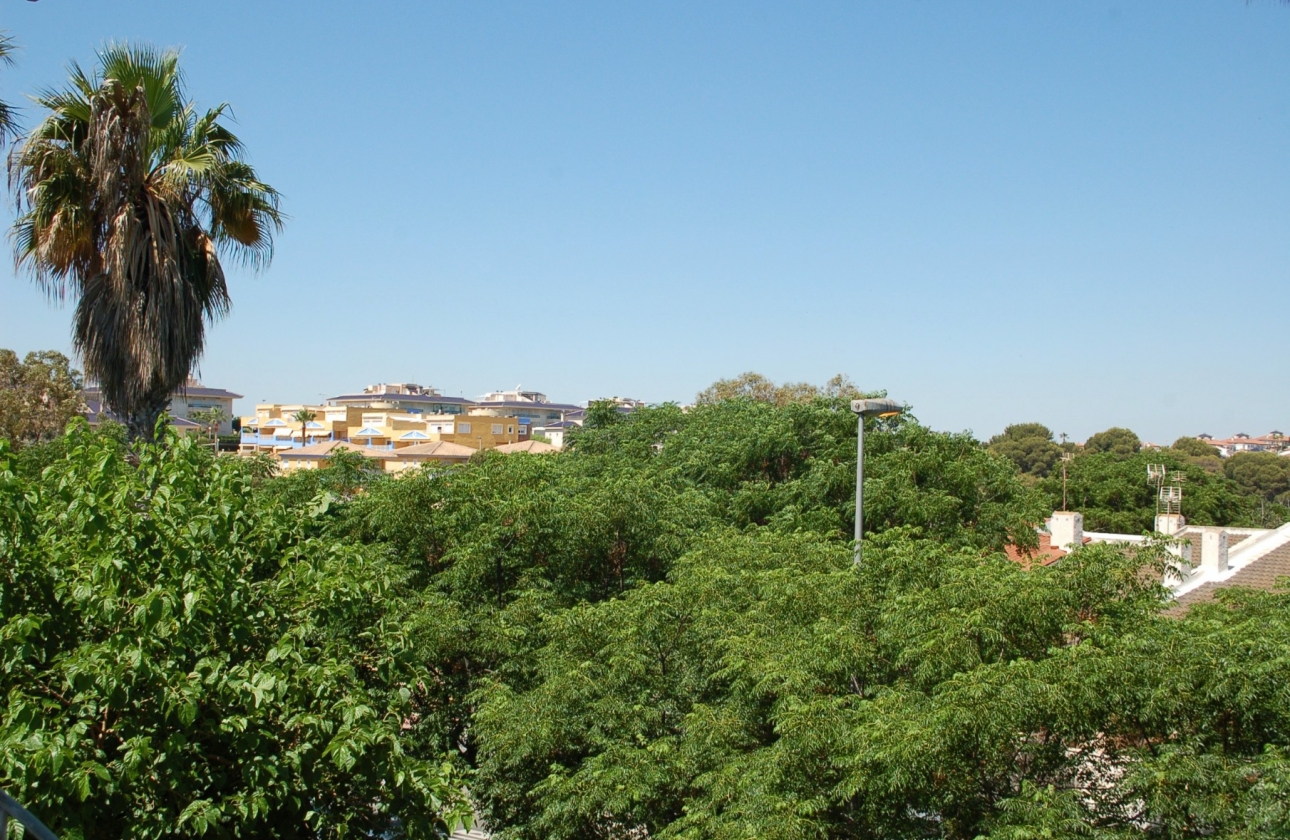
(141, 425)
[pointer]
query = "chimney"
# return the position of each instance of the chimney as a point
(1169, 523)
(1213, 549)
(1066, 529)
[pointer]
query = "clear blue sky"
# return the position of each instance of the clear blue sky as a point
(1075, 213)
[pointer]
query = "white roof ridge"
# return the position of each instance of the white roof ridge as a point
(1246, 552)
(1262, 543)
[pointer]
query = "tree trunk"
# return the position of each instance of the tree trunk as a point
(141, 425)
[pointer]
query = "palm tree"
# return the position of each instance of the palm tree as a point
(129, 196)
(210, 419)
(304, 416)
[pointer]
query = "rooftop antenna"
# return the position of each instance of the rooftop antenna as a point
(1066, 459)
(1174, 500)
(1168, 488)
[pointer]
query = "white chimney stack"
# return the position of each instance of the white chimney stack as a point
(1213, 549)
(1066, 529)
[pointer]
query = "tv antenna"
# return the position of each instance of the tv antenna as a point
(1066, 459)
(1168, 488)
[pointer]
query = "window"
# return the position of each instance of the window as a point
(497, 428)
(463, 428)
(510, 429)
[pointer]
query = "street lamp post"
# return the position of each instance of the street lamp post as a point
(863, 409)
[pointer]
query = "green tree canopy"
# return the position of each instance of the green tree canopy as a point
(1198, 453)
(754, 386)
(770, 689)
(1028, 445)
(209, 418)
(508, 540)
(1115, 440)
(659, 632)
(38, 396)
(1193, 446)
(1263, 474)
(1112, 492)
(601, 413)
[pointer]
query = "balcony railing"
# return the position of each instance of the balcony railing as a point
(270, 440)
(9, 807)
(287, 443)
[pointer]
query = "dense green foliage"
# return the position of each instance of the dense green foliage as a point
(1111, 489)
(182, 655)
(1107, 479)
(39, 395)
(1115, 441)
(769, 690)
(509, 539)
(661, 633)
(1264, 474)
(1194, 447)
(1028, 445)
(1114, 495)
(658, 632)
(754, 386)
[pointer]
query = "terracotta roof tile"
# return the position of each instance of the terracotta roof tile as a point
(534, 446)
(438, 449)
(1045, 555)
(322, 450)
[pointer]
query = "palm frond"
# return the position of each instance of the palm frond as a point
(7, 48)
(8, 123)
(8, 115)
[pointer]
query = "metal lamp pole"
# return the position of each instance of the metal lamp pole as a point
(863, 409)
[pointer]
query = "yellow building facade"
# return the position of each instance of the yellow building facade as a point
(275, 428)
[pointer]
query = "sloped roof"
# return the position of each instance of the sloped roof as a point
(96, 413)
(203, 391)
(92, 390)
(435, 450)
(1260, 561)
(1045, 555)
(531, 406)
(324, 449)
(407, 398)
(1261, 573)
(537, 447)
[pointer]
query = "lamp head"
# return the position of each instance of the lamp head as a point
(877, 408)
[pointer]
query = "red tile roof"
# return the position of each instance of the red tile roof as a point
(1045, 555)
